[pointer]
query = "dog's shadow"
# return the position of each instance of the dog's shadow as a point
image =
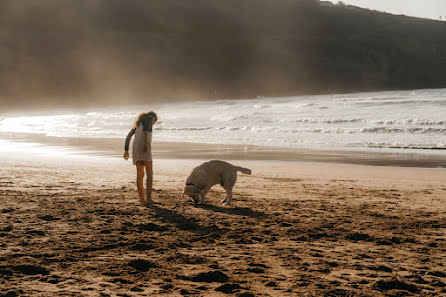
(240, 211)
(181, 222)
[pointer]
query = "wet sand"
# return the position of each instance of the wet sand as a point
(179, 150)
(70, 226)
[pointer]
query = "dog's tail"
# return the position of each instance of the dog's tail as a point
(243, 170)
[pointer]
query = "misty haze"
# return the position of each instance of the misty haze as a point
(244, 148)
(61, 53)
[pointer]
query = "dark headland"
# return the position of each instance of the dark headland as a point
(121, 52)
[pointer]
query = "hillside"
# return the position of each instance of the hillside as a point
(121, 52)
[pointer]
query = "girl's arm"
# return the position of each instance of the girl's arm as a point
(127, 143)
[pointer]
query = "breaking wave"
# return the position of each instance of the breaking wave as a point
(399, 119)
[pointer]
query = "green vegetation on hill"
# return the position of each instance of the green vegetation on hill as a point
(135, 51)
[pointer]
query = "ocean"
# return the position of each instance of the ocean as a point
(379, 121)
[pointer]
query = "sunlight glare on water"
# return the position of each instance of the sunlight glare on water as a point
(29, 149)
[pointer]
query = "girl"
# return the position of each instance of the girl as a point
(142, 152)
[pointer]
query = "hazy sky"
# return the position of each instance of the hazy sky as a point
(432, 9)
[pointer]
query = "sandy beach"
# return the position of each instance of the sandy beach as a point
(70, 225)
(337, 108)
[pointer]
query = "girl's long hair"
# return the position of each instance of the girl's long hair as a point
(143, 115)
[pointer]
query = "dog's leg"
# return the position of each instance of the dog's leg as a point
(203, 198)
(228, 198)
(203, 195)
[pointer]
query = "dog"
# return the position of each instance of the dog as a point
(211, 173)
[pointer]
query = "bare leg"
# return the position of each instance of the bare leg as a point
(139, 181)
(149, 180)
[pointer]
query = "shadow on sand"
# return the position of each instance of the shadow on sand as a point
(240, 211)
(180, 221)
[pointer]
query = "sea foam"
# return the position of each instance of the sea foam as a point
(380, 120)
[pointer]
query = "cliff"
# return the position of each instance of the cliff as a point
(121, 52)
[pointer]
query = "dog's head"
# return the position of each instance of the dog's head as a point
(193, 192)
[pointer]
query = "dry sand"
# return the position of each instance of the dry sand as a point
(71, 226)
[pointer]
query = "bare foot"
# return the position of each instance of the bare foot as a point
(150, 201)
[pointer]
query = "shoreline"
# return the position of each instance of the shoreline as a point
(112, 147)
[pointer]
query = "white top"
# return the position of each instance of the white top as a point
(138, 153)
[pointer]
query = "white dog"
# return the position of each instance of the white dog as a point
(209, 174)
